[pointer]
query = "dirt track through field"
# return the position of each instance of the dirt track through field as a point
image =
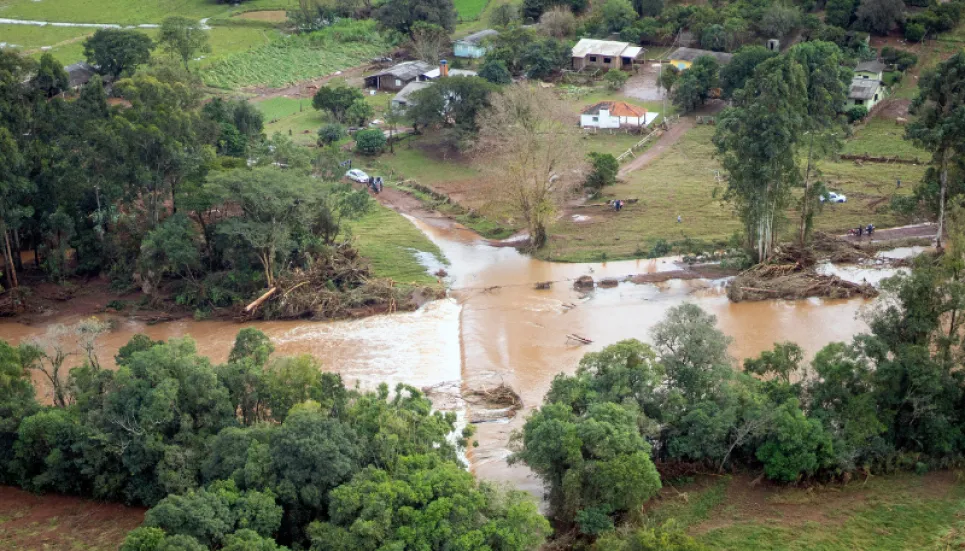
(663, 143)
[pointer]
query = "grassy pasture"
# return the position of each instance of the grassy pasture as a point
(470, 10)
(127, 12)
(682, 182)
(390, 241)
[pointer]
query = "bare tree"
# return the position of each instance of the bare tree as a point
(429, 42)
(558, 22)
(531, 148)
(49, 352)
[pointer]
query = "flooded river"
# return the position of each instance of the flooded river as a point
(496, 327)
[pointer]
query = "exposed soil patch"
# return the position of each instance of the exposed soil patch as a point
(271, 16)
(55, 522)
(894, 108)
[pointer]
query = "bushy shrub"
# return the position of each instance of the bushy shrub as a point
(370, 142)
(914, 32)
(604, 170)
(856, 113)
(615, 79)
(330, 133)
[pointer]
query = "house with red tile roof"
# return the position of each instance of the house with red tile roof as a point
(615, 114)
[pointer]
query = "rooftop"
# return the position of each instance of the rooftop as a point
(408, 90)
(79, 73)
(590, 46)
(407, 70)
(870, 67)
(616, 108)
(434, 74)
(477, 37)
(691, 54)
(863, 88)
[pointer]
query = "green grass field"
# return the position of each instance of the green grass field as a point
(294, 117)
(470, 10)
(882, 137)
(682, 182)
(888, 513)
(390, 241)
(127, 12)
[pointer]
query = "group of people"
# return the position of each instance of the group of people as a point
(376, 184)
(860, 231)
(617, 204)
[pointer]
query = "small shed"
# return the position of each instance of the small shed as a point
(865, 92)
(403, 100)
(79, 74)
(683, 58)
(609, 54)
(397, 76)
(615, 114)
(473, 46)
(872, 70)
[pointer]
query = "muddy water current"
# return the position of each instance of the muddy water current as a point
(496, 327)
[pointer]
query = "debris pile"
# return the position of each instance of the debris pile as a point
(584, 283)
(790, 273)
(492, 404)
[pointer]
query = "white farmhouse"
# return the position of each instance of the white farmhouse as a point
(615, 114)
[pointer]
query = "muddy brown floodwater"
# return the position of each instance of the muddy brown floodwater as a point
(496, 327)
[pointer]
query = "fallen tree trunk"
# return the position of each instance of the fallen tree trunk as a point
(260, 300)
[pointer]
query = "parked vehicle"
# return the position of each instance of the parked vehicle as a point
(357, 175)
(832, 197)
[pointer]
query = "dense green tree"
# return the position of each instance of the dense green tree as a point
(545, 57)
(594, 465)
(241, 125)
(795, 445)
(51, 78)
(648, 8)
(840, 12)
(827, 83)
(370, 142)
(781, 363)
(426, 503)
(509, 45)
(240, 455)
(451, 102)
(617, 15)
(401, 15)
(693, 86)
(359, 113)
(336, 99)
(940, 123)
(268, 221)
(495, 71)
(331, 133)
(210, 514)
(741, 67)
(879, 16)
(16, 403)
(182, 37)
(118, 52)
(714, 38)
(171, 249)
(757, 143)
(311, 454)
(504, 15)
(604, 170)
(779, 19)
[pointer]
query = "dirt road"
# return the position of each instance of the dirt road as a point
(663, 143)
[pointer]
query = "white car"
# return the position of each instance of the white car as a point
(357, 175)
(833, 197)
